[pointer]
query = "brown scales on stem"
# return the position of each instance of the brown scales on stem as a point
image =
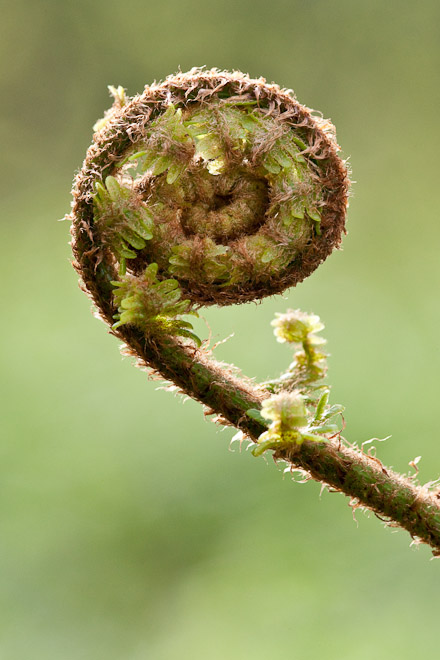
(343, 468)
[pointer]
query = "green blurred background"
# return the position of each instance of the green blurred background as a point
(127, 529)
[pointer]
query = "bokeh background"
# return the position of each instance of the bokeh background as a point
(127, 529)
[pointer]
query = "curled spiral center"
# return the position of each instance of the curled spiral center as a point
(220, 207)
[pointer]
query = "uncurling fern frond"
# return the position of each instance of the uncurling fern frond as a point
(212, 188)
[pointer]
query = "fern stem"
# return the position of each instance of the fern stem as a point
(363, 478)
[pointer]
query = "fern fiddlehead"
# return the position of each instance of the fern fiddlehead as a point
(211, 189)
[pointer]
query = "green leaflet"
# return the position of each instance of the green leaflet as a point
(125, 224)
(152, 305)
(214, 264)
(298, 407)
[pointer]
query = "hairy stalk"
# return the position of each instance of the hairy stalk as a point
(212, 188)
